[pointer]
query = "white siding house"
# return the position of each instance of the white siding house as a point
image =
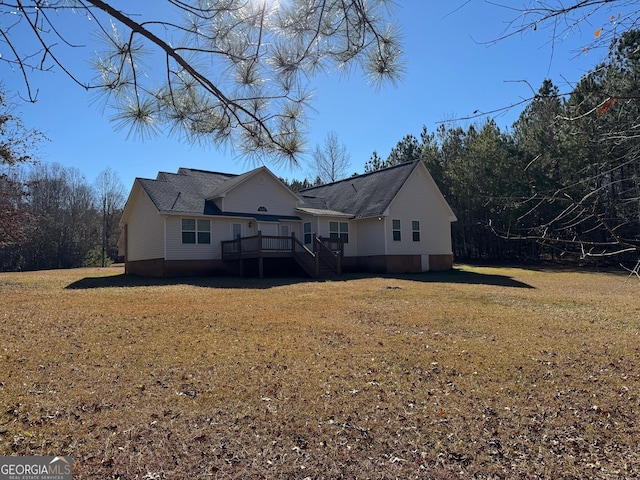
(199, 222)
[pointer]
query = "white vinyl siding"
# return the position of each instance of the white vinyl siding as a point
(371, 236)
(260, 192)
(268, 228)
(430, 211)
(176, 250)
(145, 230)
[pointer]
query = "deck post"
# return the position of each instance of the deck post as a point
(260, 259)
(239, 249)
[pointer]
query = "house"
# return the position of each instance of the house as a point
(198, 222)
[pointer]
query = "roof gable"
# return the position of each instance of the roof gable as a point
(225, 187)
(191, 191)
(440, 196)
(183, 192)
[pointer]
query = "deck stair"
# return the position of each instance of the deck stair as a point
(322, 260)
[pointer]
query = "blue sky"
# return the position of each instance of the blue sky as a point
(450, 73)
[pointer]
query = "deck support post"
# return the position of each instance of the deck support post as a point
(239, 249)
(260, 259)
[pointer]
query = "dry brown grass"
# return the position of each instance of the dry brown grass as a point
(476, 373)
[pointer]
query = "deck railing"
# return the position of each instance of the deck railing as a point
(255, 245)
(335, 244)
(325, 253)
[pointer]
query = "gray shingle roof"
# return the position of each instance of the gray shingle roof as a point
(362, 196)
(186, 192)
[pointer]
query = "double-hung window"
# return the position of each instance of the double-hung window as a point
(196, 231)
(397, 234)
(204, 231)
(339, 230)
(188, 230)
(415, 228)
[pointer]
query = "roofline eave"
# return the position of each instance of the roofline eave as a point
(238, 216)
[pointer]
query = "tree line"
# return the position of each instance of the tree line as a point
(57, 219)
(562, 184)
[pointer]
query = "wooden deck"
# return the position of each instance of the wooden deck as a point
(324, 258)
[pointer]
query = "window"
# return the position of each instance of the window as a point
(415, 227)
(262, 208)
(196, 231)
(307, 233)
(397, 236)
(236, 230)
(188, 230)
(204, 231)
(339, 230)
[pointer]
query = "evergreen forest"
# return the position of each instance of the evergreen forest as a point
(561, 185)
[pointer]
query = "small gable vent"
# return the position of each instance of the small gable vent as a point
(262, 209)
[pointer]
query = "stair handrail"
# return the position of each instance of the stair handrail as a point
(324, 252)
(307, 259)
